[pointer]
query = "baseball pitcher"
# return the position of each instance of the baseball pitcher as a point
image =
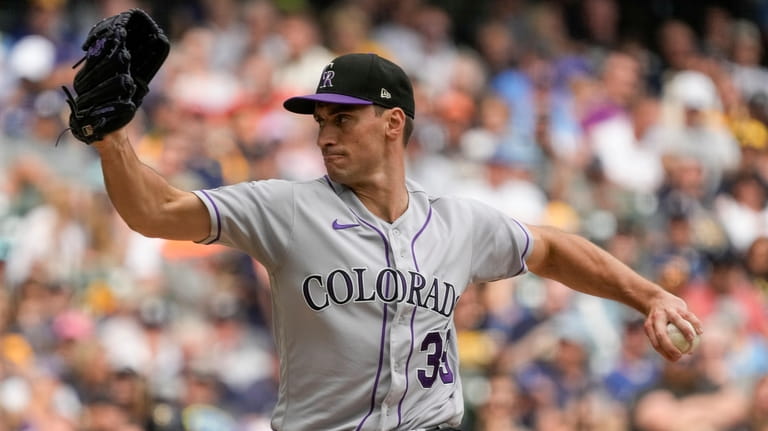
(366, 267)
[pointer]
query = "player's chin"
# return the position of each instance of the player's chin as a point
(342, 176)
(334, 165)
(334, 173)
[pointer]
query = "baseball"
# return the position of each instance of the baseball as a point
(679, 340)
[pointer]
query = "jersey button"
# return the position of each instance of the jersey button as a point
(396, 231)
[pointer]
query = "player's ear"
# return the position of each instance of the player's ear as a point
(395, 122)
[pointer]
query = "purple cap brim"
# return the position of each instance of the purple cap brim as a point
(306, 104)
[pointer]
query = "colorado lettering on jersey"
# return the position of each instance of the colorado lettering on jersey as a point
(342, 286)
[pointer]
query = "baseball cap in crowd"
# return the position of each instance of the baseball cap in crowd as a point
(693, 90)
(359, 79)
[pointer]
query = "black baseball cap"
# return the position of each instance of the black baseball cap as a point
(359, 79)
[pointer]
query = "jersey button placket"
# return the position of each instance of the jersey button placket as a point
(399, 248)
(399, 335)
(399, 345)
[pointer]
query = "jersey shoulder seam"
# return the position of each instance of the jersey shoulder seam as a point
(466, 205)
(472, 242)
(289, 244)
(280, 259)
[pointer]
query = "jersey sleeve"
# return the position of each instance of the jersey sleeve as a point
(255, 217)
(500, 244)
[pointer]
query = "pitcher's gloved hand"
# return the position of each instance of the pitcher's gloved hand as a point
(122, 55)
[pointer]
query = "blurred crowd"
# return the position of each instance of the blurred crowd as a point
(640, 125)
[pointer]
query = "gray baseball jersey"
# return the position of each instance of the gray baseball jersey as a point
(363, 308)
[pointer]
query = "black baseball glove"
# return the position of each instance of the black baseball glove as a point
(122, 55)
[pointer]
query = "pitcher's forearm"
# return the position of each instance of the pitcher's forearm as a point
(585, 267)
(616, 280)
(140, 195)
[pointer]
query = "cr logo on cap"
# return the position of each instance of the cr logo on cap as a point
(326, 79)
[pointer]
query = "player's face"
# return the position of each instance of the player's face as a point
(351, 138)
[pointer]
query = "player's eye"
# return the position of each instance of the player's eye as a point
(341, 119)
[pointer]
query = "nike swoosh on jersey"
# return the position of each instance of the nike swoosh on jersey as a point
(340, 226)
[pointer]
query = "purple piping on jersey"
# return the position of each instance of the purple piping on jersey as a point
(383, 324)
(413, 315)
(330, 184)
(415, 237)
(523, 266)
(407, 367)
(218, 218)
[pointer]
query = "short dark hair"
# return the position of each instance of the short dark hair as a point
(407, 130)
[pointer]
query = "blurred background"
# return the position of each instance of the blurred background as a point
(640, 125)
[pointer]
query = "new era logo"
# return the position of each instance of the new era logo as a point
(385, 94)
